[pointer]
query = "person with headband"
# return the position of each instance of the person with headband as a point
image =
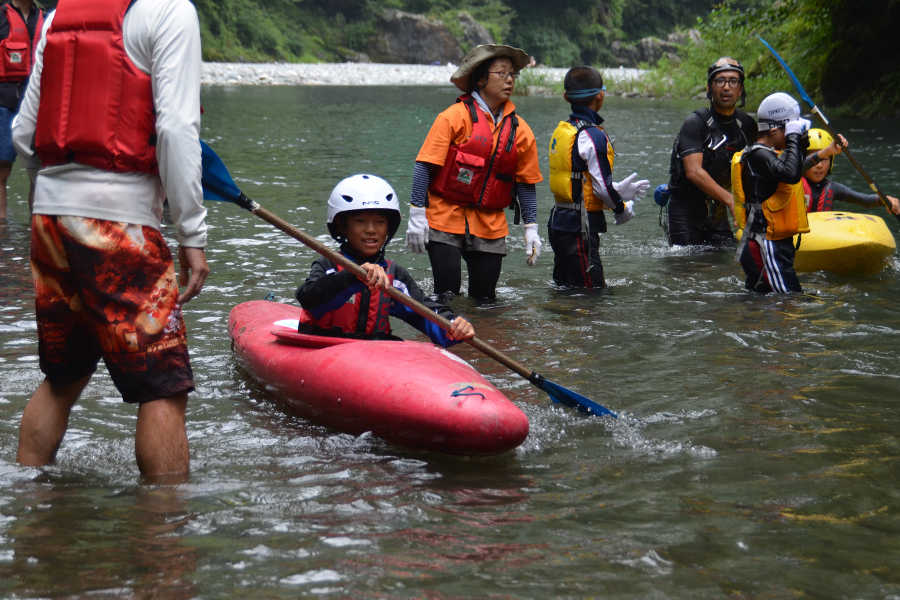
(581, 162)
(479, 158)
(700, 173)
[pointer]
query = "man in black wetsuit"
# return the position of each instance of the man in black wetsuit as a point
(700, 183)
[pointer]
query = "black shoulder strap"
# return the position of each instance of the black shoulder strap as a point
(470, 103)
(514, 125)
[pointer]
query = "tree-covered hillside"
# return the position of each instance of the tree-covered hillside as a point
(845, 51)
(557, 33)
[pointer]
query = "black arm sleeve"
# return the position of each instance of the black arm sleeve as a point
(845, 194)
(418, 196)
(786, 168)
(322, 287)
(692, 136)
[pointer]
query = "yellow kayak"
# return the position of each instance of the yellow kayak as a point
(844, 242)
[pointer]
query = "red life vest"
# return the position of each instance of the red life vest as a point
(96, 106)
(823, 202)
(18, 48)
(352, 319)
(474, 172)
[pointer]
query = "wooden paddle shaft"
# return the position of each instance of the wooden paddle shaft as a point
(419, 308)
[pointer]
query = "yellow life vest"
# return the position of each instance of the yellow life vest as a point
(568, 185)
(785, 210)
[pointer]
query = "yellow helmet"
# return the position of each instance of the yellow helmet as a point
(819, 139)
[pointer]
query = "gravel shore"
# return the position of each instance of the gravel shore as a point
(223, 74)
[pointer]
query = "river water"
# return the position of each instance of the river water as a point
(756, 457)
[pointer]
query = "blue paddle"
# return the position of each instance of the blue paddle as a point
(219, 185)
(816, 111)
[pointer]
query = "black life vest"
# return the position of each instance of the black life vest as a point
(717, 153)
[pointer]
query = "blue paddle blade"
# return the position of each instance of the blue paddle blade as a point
(574, 400)
(790, 74)
(216, 180)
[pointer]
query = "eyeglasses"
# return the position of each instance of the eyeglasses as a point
(505, 74)
(731, 81)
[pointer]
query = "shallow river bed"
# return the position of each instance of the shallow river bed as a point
(756, 455)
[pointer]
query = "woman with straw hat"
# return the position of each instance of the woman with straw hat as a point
(478, 159)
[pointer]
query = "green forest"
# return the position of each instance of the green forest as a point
(843, 51)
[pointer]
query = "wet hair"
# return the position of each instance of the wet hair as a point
(582, 78)
(481, 72)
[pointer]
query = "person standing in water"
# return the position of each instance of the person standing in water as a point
(700, 184)
(581, 162)
(20, 32)
(767, 181)
(479, 158)
(104, 278)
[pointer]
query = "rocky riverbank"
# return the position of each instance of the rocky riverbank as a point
(224, 74)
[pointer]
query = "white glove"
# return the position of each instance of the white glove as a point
(532, 244)
(797, 126)
(629, 189)
(417, 229)
(627, 214)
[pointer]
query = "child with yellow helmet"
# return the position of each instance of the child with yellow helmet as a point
(823, 191)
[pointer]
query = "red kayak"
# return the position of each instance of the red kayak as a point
(414, 394)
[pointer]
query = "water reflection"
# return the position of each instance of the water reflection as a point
(69, 542)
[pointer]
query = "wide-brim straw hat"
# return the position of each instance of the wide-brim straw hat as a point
(479, 54)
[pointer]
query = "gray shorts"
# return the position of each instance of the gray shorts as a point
(468, 242)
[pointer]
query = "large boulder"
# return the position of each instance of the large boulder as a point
(474, 33)
(650, 49)
(408, 38)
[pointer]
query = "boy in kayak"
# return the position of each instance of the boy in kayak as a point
(823, 191)
(363, 215)
(767, 177)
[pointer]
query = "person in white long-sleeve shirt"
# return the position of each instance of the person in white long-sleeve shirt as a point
(105, 281)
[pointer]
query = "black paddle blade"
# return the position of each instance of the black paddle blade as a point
(216, 180)
(574, 400)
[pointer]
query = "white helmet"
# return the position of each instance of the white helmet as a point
(363, 192)
(776, 110)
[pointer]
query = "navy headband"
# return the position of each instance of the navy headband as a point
(579, 94)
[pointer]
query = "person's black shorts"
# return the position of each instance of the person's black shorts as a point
(699, 223)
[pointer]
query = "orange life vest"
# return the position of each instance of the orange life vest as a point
(784, 211)
(352, 319)
(18, 48)
(96, 106)
(476, 172)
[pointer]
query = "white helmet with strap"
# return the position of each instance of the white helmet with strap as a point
(363, 192)
(776, 110)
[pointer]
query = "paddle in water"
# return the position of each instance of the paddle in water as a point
(821, 116)
(218, 185)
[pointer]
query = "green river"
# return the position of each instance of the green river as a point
(756, 457)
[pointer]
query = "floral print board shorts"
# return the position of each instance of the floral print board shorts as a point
(107, 289)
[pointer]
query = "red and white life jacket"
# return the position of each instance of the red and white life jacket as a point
(96, 106)
(823, 202)
(365, 314)
(18, 48)
(477, 172)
